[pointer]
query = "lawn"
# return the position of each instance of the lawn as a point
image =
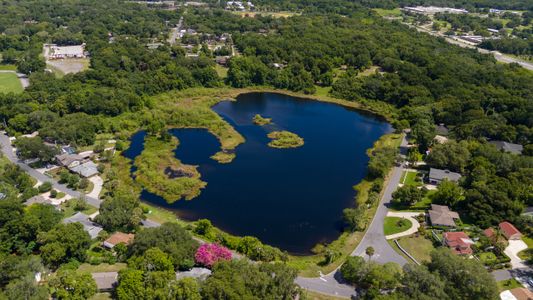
(394, 225)
(101, 296)
(410, 178)
(508, 284)
(9, 83)
(101, 267)
(419, 247)
(221, 71)
(396, 12)
(8, 67)
(487, 258)
(317, 296)
(68, 210)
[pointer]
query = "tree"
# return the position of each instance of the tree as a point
(451, 155)
(239, 279)
(448, 193)
(45, 187)
(121, 212)
(419, 283)
(172, 239)
(353, 269)
(64, 242)
(370, 252)
(39, 218)
(463, 278)
(35, 148)
(186, 289)
(130, 285)
(354, 218)
(407, 195)
(209, 254)
(26, 288)
(71, 284)
(423, 132)
(152, 260)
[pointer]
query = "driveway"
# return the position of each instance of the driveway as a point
(98, 182)
(7, 149)
(512, 250)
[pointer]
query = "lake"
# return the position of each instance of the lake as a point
(288, 198)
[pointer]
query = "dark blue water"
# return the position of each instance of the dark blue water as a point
(289, 198)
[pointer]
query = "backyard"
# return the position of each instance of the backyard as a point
(9, 83)
(418, 246)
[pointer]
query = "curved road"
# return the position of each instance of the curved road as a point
(7, 149)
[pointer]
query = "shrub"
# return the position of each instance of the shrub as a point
(53, 193)
(45, 187)
(209, 254)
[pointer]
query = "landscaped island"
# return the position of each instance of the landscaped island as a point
(285, 139)
(260, 120)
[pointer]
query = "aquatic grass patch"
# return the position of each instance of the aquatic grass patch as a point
(152, 171)
(260, 120)
(285, 139)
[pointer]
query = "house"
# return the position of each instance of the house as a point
(508, 147)
(490, 233)
(105, 281)
(69, 160)
(458, 242)
(509, 231)
(117, 238)
(60, 52)
(221, 60)
(38, 199)
(436, 176)
(92, 228)
(441, 215)
(87, 169)
(442, 130)
(517, 294)
(196, 273)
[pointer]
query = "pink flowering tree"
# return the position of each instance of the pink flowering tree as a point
(209, 254)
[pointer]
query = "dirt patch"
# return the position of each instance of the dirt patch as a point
(69, 65)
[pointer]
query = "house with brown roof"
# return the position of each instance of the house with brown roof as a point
(509, 231)
(441, 215)
(458, 242)
(117, 238)
(69, 160)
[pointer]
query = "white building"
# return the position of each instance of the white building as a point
(60, 52)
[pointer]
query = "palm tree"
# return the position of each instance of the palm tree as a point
(370, 251)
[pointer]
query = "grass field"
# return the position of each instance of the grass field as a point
(393, 225)
(101, 267)
(388, 12)
(317, 296)
(9, 83)
(508, 284)
(8, 67)
(419, 247)
(221, 71)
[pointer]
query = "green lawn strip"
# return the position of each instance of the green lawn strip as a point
(9, 83)
(394, 225)
(409, 178)
(104, 267)
(487, 258)
(396, 12)
(508, 284)
(101, 296)
(8, 67)
(310, 295)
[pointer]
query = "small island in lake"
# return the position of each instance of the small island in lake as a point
(285, 139)
(259, 120)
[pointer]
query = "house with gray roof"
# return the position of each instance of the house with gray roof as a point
(92, 228)
(105, 281)
(508, 147)
(38, 199)
(441, 215)
(436, 176)
(442, 130)
(86, 169)
(69, 160)
(196, 273)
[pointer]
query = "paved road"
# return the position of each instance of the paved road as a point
(497, 55)
(7, 149)
(332, 283)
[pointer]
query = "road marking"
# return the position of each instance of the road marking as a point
(323, 279)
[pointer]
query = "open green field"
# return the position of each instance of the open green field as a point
(9, 83)
(419, 247)
(8, 67)
(396, 12)
(394, 225)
